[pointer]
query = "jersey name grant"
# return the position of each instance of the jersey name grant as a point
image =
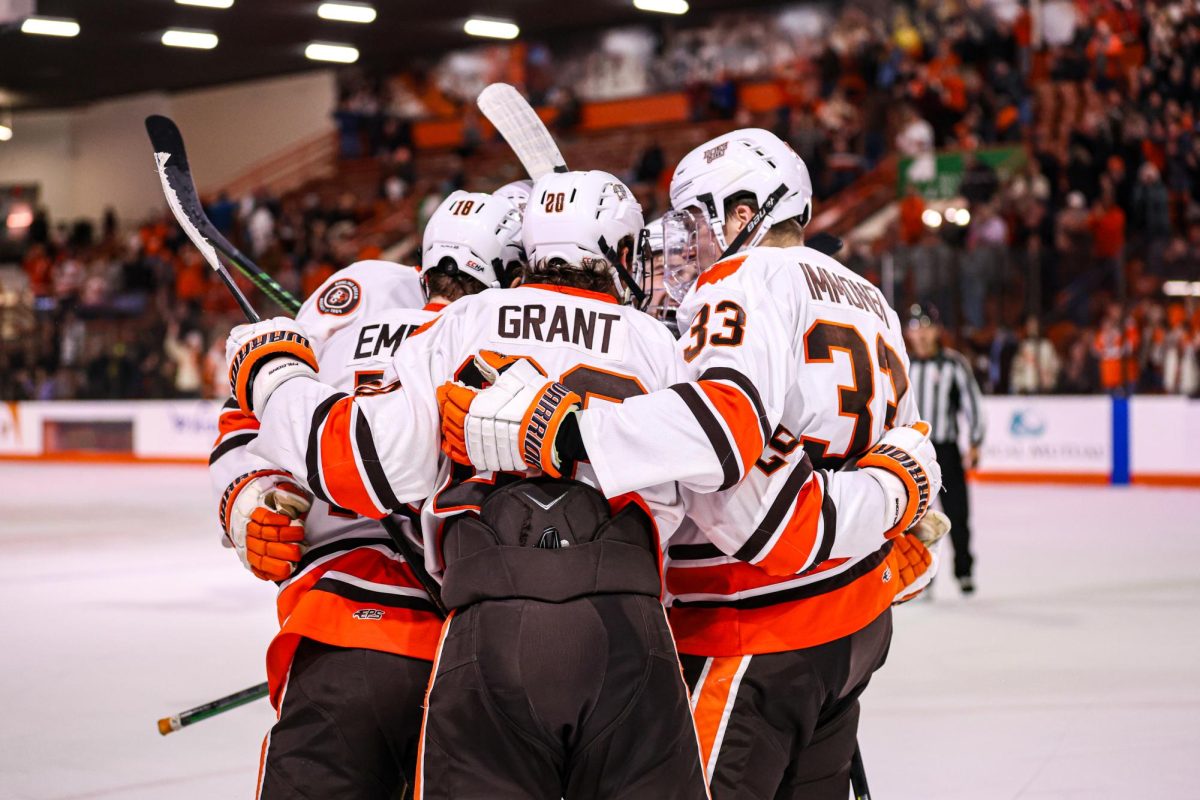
(599, 332)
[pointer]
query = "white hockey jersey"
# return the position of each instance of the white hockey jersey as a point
(377, 451)
(788, 355)
(351, 588)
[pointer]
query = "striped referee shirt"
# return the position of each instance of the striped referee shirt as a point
(945, 387)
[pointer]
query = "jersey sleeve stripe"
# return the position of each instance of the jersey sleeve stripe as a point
(746, 385)
(783, 502)
(231, 443)
(371, 465)
(792, 550)
(713, 430)
(735, 408)
(829, 524)
(339, 463)
(312, 456)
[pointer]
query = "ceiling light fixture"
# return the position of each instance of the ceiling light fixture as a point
(50, 26)
(491, 28)
(197, 40)
(662, 6)
(347, 12)
(324, 51)
(206, 3)
(5, 133)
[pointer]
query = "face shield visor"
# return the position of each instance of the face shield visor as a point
(689, 248)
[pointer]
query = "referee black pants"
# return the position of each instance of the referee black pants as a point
(956, 502)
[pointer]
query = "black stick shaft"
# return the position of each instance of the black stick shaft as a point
(219, 706)
(180, 190)
(858, 776)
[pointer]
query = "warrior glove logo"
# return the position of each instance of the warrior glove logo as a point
(713, 153)
(340, 298)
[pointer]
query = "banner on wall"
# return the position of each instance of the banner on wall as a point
(1028, 435)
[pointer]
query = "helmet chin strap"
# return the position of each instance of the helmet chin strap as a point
(756, 221)
(639, 294)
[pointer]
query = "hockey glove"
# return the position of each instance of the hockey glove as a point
(262, 514)
(262, 356)
(905, 465)
(913, 566)
(455, 398)
(512, 425)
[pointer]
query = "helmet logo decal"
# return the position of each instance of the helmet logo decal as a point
(713, 153)
(340, 298)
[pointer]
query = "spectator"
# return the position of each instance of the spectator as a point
(1035, 368)
(1107, 224)
(186, 356)
(1151, 216)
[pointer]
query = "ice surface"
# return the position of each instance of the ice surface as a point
(1074, 673)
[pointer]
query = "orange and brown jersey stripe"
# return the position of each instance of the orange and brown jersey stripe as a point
(799, 528)
(729, 410)
(791, 618)
(342, 460)
(235, 428)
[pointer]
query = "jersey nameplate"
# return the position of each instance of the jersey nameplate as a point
(824, 286)
(380, 338)
(598, 332)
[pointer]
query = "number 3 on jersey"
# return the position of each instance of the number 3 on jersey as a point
(729, 334)
(854, 399)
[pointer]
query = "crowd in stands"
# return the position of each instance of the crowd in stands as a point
(1049, 271)
(141, 315)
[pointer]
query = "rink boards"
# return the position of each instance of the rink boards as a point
(1091, 439)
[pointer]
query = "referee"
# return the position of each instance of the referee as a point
(945, 389)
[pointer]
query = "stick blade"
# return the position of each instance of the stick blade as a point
(522, 128)
(165, 138)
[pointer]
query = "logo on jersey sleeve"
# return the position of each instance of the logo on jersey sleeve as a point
(340, 298)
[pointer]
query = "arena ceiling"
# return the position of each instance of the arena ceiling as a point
(119, 51)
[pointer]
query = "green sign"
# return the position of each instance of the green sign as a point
(948, 170)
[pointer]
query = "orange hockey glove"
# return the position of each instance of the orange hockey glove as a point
(263, 514)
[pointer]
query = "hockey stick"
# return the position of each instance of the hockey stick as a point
(858, 776)
(522, 129)
(220, 706)
(535, 148)
(180, 190)
(176, 175)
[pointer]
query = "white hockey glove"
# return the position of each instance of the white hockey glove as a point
(263, 516)
(512, 424)
(262, 355)
(904, 463)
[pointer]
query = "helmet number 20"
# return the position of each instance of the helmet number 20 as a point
(555, 202)
(730, 334)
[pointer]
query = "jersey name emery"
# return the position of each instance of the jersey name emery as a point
(583, 328)
(824, 285)
(374, 339)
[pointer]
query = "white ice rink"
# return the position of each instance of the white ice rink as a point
(1075, 672)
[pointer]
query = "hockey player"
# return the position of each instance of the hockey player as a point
(780, 598)
(556, 676)
(349, 668)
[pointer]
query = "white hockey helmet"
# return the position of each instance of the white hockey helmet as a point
(516, 193)
(746, 161)
(582, 220)
(475, 234)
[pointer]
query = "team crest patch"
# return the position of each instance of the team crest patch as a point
(714, 153)
(340, 298)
